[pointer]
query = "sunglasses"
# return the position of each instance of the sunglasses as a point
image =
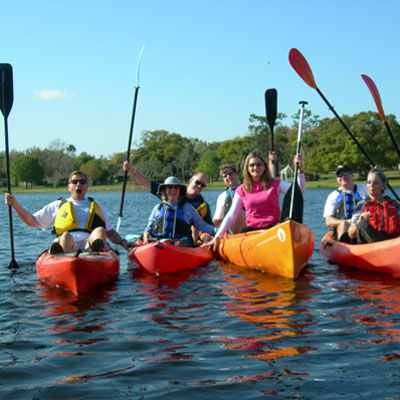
(255, 165)
(374, 182)
(172, 186)
(227, 174)
(199, 183)
(342, 174)
(81, 181)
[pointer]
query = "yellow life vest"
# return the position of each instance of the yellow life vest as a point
(66, 218)
(202, 209)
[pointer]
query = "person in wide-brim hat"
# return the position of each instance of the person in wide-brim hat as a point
(171, 181)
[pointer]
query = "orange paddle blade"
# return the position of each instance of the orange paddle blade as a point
(300, 65)
(375, 94)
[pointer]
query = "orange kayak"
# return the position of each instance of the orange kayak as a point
(282, 250)
(77, 273)
(378, 257)
(161, 257)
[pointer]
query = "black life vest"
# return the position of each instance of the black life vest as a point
(170, 222)
(346, 202)
(384, 217)
(228, 199)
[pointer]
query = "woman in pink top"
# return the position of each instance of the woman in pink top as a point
(259, 195)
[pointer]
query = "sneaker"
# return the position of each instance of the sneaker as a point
(55, 248)
(98, 245)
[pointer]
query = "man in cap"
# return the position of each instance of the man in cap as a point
(340, 204)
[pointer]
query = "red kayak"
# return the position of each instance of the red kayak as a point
(161, 257)
(377, 257)
(77, 272)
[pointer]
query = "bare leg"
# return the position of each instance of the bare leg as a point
(98, 233)
(67, 242)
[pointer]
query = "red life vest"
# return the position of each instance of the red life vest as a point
(385, 217)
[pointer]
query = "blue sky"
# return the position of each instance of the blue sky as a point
(204, 70)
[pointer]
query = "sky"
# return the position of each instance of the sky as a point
(204, 69)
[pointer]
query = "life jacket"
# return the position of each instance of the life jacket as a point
(170, 222)
(66, 218)
(384, 217)
(228, 199)
(200, 205)
(345, 203)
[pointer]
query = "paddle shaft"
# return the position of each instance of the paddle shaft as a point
(296, 168)
(130, 139)
(301, 66)
(354, 138)
(6, 109)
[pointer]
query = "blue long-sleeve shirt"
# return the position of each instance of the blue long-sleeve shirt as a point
(190, 215)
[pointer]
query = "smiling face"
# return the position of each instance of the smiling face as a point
(375, 186)
(78, 186)
(345, 179)
(172, 193)
(256, 168)
(230, 178)
(196, 185)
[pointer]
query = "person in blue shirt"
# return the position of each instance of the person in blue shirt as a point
(174, 216)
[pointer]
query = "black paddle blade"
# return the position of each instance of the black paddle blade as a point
(6, 89)
(271, 96)
(297, 212)
(13, 265)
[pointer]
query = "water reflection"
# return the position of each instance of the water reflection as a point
(272, 303)
(66, 308)
(376, 306)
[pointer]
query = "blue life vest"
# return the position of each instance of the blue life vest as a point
(170, 222)
(346, 203)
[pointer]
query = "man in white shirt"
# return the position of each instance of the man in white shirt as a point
(231, 179)
(340, 204)
(80, 222)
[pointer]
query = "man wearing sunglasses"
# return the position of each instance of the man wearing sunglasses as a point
(224, 201)
(80, 223)
(340, 204)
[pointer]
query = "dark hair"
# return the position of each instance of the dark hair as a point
(223, 168)
(247, 179)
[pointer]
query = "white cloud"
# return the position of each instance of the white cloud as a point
(56, 94)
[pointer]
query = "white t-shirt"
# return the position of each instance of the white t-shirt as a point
(220, 207)
(47, 215)
(330, 204)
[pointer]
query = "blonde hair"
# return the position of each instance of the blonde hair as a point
(248, 180)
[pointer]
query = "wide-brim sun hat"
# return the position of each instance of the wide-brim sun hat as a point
(172, 180)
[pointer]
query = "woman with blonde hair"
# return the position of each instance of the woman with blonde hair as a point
(259, 195)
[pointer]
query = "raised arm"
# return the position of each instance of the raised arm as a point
(139, 178)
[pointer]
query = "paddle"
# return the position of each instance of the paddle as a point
(6, 102)
(270, 109)
(300, 65)
(377, 98)
(130, 139)
(292, 207)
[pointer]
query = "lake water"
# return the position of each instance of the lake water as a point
(218, 332)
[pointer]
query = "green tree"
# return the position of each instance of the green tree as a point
(209, 165)
(92, 169)
(27, 169)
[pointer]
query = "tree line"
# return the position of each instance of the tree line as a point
(161, 153)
